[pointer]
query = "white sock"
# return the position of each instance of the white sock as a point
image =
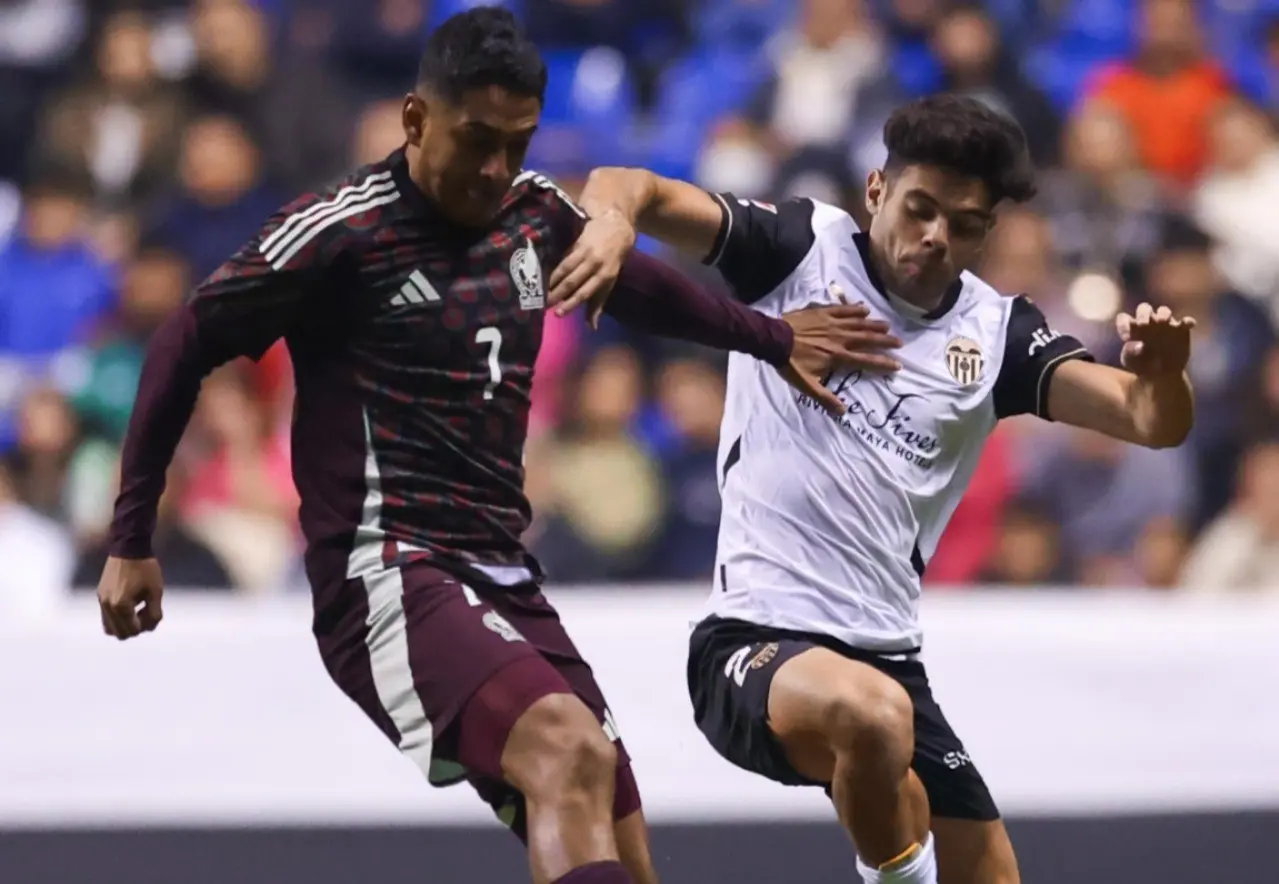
(920, 869)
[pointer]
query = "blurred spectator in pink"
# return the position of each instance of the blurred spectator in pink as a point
(1168, 90)
(972, 537)
(241, 500)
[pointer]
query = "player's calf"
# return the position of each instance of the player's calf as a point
(560, 759)
(843, 722)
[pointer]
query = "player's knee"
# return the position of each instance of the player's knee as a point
(564, 751)
(875, 723)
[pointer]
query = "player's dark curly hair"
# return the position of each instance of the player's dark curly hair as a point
(965, 136)
(484, 46)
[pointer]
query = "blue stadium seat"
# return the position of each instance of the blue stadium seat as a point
(694, 93)
(442, 9)
(1098, 27)
(741, 25)
(590, 88)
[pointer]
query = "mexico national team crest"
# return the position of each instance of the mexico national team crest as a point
(526, 273)
(965, 361)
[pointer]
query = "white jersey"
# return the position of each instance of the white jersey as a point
(828, 523)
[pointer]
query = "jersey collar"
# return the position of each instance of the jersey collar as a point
(862, 240)
(412, 195)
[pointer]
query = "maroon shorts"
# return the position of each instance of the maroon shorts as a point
(420, 645)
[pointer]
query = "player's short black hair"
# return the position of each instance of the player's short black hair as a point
(963, 135)
(484, 46)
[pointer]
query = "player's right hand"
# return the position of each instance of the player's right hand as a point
(129, 595)
(834, 338)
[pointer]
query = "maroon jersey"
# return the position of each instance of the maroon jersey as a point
(413, 344)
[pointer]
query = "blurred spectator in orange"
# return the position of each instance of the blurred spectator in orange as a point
(241, 501)
(120, 124)
(1236, 201)
(976, 63)
(1168, 91)
(224, 196)
(1239, 551)
(38, 558)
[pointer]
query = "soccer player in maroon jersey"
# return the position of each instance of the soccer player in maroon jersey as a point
(411, 296)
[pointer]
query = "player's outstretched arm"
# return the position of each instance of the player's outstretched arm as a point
(805, 345)
(245, 306)
(754, 245)
(1150, 401)
(618, 201)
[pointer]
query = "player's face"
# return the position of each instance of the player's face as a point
(928, 226)
(469, 151)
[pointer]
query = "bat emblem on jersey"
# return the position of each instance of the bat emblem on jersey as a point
(965, 361)
(526, 273)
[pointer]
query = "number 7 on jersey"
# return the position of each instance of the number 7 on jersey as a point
(493, 337)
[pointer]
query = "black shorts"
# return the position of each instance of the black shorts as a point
(731, 665)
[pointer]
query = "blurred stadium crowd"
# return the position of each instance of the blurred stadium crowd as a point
(143, 142)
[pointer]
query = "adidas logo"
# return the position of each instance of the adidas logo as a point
(417, 290)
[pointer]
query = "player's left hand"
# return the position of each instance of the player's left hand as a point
(1155, 341)
(591, 267)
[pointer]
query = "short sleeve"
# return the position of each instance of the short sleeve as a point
(760, 244)
(1032, 352)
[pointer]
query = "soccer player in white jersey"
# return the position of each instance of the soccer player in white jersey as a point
(806, 668)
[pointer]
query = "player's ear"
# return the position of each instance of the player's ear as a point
(413, 116)
(876, 188)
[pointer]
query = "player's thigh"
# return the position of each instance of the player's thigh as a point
(424, 645)
(534, 618)
(772, 702)
(539, 623)
(822, 703)
(974, 852)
